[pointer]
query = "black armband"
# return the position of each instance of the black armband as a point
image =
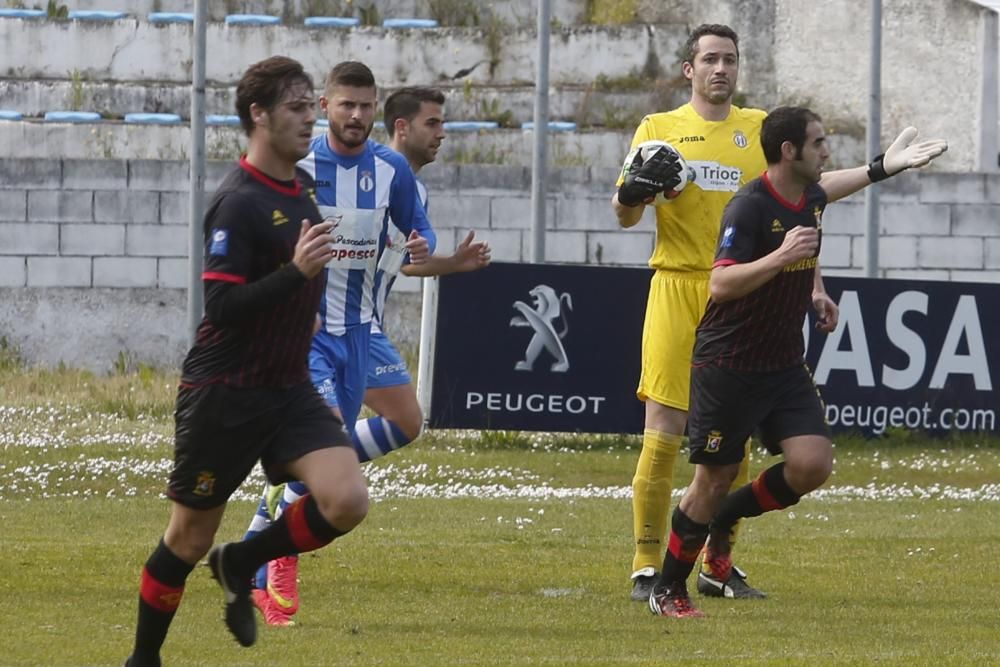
(228, 304)
(876, 170)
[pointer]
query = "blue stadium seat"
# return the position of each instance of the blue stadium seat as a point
(470, 125)
(10, 115)
(554, 126)
(332, 22)
(72, 116)
(252, 19)
(171, 17)
(409, 23)
(222, 119)
(22, 13)
(153, 118)
(96, 15)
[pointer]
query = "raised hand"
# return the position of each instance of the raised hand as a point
(471, 256)
(418, 248)
(800, 243)
(313, 249)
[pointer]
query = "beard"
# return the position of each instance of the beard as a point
(341, 135)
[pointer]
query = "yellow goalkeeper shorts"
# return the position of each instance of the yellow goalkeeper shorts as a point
(676, 303)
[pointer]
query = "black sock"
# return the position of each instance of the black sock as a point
(768, 492)
(687, 537)
(300, 528)
(160, 591)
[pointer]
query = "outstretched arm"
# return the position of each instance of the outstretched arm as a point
(901, 155)
(468, 256)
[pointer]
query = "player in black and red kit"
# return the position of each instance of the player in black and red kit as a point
(748, 371)
(245, 391)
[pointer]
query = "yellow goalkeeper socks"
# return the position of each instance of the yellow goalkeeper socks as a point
(651, 489)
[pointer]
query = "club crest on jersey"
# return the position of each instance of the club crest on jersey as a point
(541, 318)
(713, 442)
(205, 484)
(220, 243)
(740, 139)
(366, 181)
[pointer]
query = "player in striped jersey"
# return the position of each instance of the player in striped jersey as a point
(414, 118)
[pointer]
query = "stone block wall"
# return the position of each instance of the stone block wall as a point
(98, 248)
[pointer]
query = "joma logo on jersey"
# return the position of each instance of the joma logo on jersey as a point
(691, 139)
(776, 226)
(278, 218)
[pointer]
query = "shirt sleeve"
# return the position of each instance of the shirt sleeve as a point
(228, 242)
(405, 209)
(738, 233)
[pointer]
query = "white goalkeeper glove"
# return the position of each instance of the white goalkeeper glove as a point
(902, 155)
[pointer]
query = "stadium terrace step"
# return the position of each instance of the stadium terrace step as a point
(410, 23)
(116, 140)
(153, 118)
(96, 15)
(170, 17)
(252, 19)
(22, 14)
(72, 117)
(331, 22)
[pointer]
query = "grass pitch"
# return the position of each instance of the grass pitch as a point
(490, 549)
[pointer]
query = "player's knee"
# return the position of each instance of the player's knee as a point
(345, 507)
(412, 425)
(811, 473)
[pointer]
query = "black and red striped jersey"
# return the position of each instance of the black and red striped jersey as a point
(763, 329)
(251, 228)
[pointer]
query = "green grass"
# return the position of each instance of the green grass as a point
(504, 549)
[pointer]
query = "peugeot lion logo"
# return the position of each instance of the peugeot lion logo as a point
(541, 318)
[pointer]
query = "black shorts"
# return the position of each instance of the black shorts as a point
(728, 406)
(221, 433)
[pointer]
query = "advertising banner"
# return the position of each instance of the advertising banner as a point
(557, 348)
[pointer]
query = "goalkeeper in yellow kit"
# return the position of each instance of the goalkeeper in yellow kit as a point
(721, 143)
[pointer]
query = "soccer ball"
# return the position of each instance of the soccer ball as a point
(646, 149)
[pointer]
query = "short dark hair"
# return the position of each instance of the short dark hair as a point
(405, 103)
(785, 124)
(717, 29)
(265, 84)
(350, 73)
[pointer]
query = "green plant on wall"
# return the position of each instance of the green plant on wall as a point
(75, 102)
(495, 30)
(56, 11)
(610, 12)
(463, 13)
(369, 14)
(490, 110)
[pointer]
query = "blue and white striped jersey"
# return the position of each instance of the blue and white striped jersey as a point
(392, 260)
(360, 193)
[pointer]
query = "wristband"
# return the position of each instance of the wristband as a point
(876, 169)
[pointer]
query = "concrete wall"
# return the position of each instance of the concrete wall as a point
(92, 252)
(108, 140)
(933, 54)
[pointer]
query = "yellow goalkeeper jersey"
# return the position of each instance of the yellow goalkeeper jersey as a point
(725, 156)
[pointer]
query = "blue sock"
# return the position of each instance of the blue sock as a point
(376, 437)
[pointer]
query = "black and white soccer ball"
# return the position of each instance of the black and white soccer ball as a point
(646, 149)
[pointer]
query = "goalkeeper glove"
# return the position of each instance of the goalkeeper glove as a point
(902, 155)
(645, 180)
